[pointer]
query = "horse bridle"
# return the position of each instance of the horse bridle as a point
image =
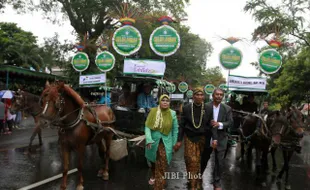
(59, 106)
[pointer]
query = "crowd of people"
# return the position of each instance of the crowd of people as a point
(202, 129)
(8, 120)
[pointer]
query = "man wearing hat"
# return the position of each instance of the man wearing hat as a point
(193, 129)
(145, 99)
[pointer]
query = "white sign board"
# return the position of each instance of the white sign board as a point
(177, 96)
(93, 79)
(247, 82)
(144, 67)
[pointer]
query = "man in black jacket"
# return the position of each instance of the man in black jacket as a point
(193, 129)
(219, 117)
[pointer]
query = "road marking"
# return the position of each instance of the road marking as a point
(47, 180)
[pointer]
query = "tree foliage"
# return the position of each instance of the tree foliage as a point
(18, 47)
(285, 21)
(288, 18)
(99, 18)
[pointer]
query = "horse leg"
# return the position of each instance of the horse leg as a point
(265, 160)
(242, 149)
(258, 167)
(289, 156)
(65, 156)
(279, 177)
(108, 140)
(81, 152)
(101, 151)
(40, 135)
(274, 163)
(34, 134)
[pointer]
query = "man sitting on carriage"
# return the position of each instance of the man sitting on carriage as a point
(126, 99)
(250, 105)
(145, 99)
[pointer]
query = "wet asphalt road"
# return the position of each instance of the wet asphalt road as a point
(19, 169)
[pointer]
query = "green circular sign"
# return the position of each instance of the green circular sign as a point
(165, 41)
(183, 87)
(189, 93)
(80, 61)
(270, 61)
(105, 61)
(209, 88)
(127, 40)
(223, 87)
(171, 88)
(230, 57)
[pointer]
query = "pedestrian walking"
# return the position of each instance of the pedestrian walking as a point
(161, 133)
(2, 117)
(193, 129)
(219, 118)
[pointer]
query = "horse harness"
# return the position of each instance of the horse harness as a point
(257, 130)
(97, 127)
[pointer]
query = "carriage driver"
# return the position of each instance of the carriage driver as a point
(145, 99)
(126, 99)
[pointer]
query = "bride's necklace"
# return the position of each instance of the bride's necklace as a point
(201, 116)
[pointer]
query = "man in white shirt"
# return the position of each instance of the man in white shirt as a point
(220, 119)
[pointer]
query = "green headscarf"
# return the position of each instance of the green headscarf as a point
(160, 119)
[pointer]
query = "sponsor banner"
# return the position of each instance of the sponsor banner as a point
(247, 82)
(144, 67)
(177, 96)
(80, 61)
(92, 79)
(165, 41)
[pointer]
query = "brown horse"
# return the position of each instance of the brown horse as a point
(255, 134)
(24, 101)
(286, 133)
(79, 125)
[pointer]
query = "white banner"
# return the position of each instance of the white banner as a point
(247, 82)
(93, 79)
(177, 96)
(144, 67)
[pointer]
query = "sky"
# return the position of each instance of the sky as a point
(210, 19)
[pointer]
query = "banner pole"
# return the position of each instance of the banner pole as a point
(106, 90)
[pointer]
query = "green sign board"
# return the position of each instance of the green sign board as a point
(127, 40)
(209, 88)
(80, 61)
(270, 61)
(183, 87)
(223, 87)
(105, 61)
(171, 88)
(165, 41)
(189, 93)
(230, 57)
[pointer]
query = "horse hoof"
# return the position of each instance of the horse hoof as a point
(287, 187)
(264, 184)
(105, 176)
(80, 187)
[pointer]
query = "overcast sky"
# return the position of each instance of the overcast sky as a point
(210, 19)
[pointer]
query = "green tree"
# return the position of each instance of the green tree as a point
(286, 22)
(18, 47)
(293, 83)
(286, 19)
